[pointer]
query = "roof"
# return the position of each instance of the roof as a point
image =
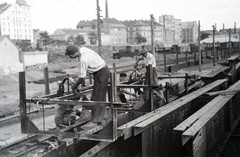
(114, 22)
(86, 24)
(189, 24)
(219, 40)
(3, 7)
(22, 2)
(139, 23)
(75, 31)
(3, 37)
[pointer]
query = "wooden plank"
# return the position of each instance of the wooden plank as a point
(193, 118)
(174, 105)
(214, 72)
(222, 92)
(95, 149)
(127, 129)
(192, 131)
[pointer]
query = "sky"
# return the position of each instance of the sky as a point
(50, 15)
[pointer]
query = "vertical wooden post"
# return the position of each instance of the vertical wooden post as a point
(114, 83)
(177, 54)
(199, 48)
(239, 43)
(167, 92)
(23, 108)
(114, 111)
(99, 29)
(186, 83)
(230, 46)
(186, 57)
(213, 45)
(150, 86)
(165, 62)
(152, 35)
(46, 80)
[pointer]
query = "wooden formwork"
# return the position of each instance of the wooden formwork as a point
(210, 124)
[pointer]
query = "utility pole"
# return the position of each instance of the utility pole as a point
(230, 46)
(213, 45)
(152, 35)
(199, 48)
(99, 29)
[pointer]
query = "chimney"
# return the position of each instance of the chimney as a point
(223, 26)
(235, 28)
(106, 7)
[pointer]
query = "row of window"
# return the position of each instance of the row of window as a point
(16, 25)
(16, 19)
(15, 30)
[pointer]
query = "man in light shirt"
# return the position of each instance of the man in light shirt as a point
(91, 62)
(148, 59)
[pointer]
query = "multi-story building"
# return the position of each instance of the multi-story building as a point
(64, 34)
(143, 28)
(189, 32)
(171, 30)
(15, 21)
(114, 28)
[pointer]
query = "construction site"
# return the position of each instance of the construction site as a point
(198, 118)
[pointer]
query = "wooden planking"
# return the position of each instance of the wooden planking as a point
(127, 129)
(222, 92)
(95, 149)
(193, 118)
(214, 72)
(234, 57)
(192, 131)
(173, 106)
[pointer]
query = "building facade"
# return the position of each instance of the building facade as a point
(143, 28)
(64, 34)
(171, 30)
(15, 21)
(113, 32)
(189, 32)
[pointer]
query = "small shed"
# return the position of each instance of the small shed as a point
(9, 57)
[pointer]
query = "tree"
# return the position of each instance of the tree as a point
(204, 35)
(140, 39)
(45, 38)
(93, 38)
(79, 40)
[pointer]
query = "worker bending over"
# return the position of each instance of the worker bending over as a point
(91, 62)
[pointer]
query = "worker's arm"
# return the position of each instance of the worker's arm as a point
(136, 64)
(77, 83)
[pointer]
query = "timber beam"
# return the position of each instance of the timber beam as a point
(205, 126)
(140, 124)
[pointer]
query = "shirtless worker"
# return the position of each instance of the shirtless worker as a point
(91, 62)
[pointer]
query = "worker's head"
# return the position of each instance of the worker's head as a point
(122, 76)
(143, 52)
(72, 51)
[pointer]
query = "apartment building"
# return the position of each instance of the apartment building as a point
(114, 30)
(171, 30)
(143, 28)
(64, 34)
(15, 21)
(189, 32)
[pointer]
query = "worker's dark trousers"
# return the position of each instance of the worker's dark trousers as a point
(154, 80)
(99, 93)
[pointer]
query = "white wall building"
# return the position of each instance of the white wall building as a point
(15, 21)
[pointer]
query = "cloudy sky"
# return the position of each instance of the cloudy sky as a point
(52, 14)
